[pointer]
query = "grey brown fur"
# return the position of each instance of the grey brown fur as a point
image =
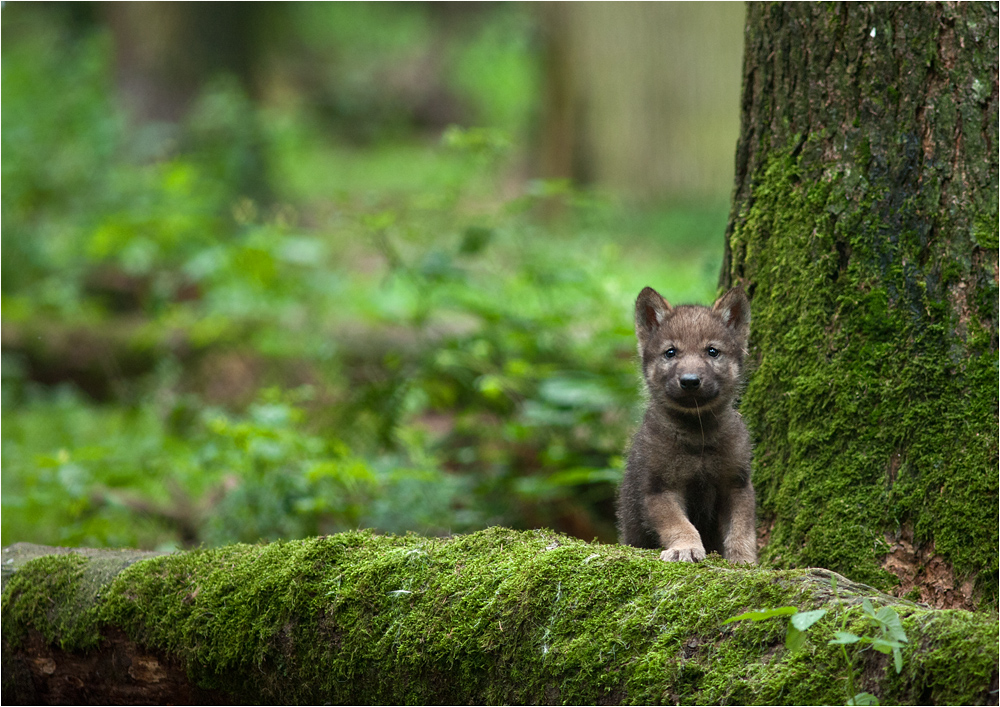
(687, 480)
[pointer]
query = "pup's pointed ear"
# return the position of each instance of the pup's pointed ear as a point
(734, 308)
(650, 311)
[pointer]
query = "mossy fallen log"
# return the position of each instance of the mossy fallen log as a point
(498, 616)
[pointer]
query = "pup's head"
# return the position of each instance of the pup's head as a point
(692, 356)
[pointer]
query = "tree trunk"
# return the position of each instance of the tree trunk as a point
(167, 51)
(494, 617)
(640, 98)
(864, 224)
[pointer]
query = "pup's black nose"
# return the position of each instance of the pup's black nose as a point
(689, 381)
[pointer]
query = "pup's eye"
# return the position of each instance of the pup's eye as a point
(670, 353)
(713, 352)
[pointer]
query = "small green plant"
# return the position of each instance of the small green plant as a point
(889, 638)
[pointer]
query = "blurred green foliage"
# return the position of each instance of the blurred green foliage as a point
(333, 334)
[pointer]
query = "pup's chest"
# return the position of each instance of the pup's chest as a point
(700, 468)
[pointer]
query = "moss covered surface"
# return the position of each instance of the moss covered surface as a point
(868, 416)
(864, 225)
(499, 616)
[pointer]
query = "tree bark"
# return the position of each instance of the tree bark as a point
(864, 224)
(498, 616)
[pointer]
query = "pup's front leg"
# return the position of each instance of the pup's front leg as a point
(739, 526)
(665, 511)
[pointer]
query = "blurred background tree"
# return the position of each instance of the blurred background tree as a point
(279, 269)
(165, 53)
(639, 96)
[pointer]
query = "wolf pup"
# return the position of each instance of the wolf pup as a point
(687, 480)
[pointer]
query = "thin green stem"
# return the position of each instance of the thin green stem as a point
(843, 648)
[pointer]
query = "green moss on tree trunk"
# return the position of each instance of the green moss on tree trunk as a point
(498, 616)
(864, 225)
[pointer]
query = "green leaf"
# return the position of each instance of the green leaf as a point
(883, 645)
(843, 638)
(889, 619)
(763, 614)
(475, 239)
(863, 698)
(794, 639)
(577, 392)
(804, 619)
(584, 475)
(867, 607)
(379, 221)
(885, 614)
(897, 659)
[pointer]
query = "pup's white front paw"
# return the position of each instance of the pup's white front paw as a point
(683, 554)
